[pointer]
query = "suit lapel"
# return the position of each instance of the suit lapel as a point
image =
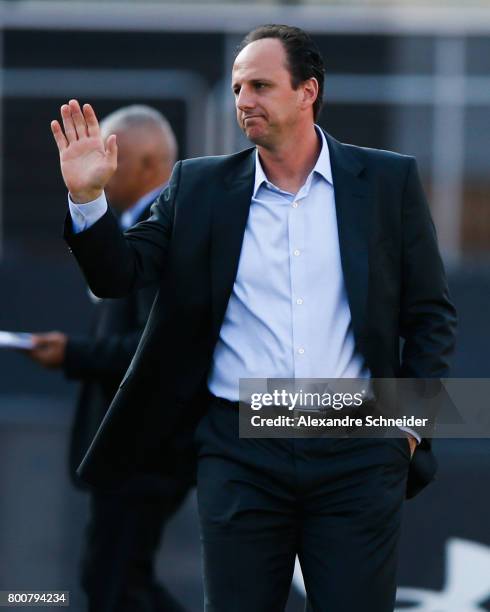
(353, 204)
(230, 214)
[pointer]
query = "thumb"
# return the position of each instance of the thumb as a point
(111, 150)
(37, 341)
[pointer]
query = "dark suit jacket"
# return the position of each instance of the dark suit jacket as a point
(393, 274)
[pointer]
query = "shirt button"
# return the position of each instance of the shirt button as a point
(295, 204)
(299, 301)
(301, 351)
(297, 252)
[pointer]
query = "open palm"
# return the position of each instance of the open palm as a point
(87, 163)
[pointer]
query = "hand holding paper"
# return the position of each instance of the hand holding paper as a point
(49, 349)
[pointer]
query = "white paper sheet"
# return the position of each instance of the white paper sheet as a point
(15, 340)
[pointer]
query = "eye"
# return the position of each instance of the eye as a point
(236, 91)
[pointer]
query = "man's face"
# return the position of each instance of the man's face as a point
(266, 103)
(124, 187)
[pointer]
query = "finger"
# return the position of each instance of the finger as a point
(59, 136)
(78, 119)
(39, 345)
(36, 340)
(111, 150)
(91, 119)
(41, 342)
(68, 125)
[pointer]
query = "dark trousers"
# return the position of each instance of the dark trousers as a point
(123, 537)
(334, 502)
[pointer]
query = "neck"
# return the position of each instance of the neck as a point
(289, 164)
(150, 186)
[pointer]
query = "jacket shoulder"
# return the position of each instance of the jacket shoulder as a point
(216, 162)
(388, 167)
(370, 156)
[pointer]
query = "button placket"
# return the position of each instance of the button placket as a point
(298, 263)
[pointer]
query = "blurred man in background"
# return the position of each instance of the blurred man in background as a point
(125, 526)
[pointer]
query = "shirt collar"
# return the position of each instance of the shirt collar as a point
(130, 216)
(322, 166)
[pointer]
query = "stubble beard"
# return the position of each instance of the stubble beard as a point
(258, 137)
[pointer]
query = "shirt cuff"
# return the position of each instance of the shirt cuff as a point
(84, 216)
(412, 433)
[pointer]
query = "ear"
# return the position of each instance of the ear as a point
(310, 92)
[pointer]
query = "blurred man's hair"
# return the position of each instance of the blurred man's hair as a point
(140, 116)
(304, 58)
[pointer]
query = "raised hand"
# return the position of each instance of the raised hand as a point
(87, 163)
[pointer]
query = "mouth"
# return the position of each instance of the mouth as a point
(252, 117)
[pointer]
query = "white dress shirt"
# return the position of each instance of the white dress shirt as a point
(288, 314)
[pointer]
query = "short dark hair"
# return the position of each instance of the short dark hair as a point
(304, 59)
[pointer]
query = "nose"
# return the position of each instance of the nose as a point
(245, 99)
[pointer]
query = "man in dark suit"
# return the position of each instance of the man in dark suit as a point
(299, 258)
(125, 525)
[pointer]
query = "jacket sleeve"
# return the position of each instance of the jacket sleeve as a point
(427, 316)
(109, 355)
(115, 264)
